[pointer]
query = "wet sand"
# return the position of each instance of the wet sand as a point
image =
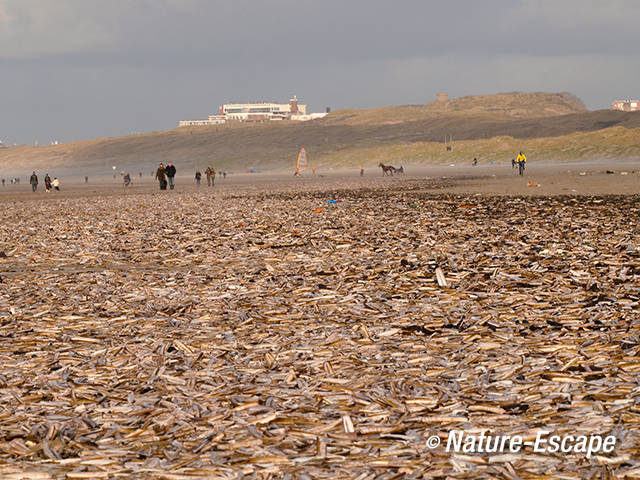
(588, 178)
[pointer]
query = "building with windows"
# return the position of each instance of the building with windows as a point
(626, 105)
(257, 112)
(262, 111)
(212, 120)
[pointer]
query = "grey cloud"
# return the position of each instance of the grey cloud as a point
(86, 68)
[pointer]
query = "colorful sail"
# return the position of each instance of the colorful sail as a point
(302, 160)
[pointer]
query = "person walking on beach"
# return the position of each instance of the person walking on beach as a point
(198, 177)
(47, 183)
(522, 163)
(34, 181)
(161, 177)
(361, 171)
(213, 177)
(56, 183)
(207, 173)
(171, 172)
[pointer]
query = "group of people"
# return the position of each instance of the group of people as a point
(520, 161)
(210, 175)
(166, 175)
(48, 183)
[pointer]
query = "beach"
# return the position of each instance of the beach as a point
(321, 327)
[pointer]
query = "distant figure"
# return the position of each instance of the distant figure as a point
(47, 183)
(171, 172)
(161, 177)
(3, 182)
(522, 163)
(207, 173)
(448, 148)
(314, 171)
(361, 171)
(34, 181)
(140, 173)
(86, 179)
(198, 177)
(224, 174)
(213, 177)
(56, 183)
(126, 179)
(513, 163)
(475, 161)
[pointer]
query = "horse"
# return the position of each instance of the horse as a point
(386, 169)
(398, 170)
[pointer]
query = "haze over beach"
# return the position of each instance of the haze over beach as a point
(400, 239)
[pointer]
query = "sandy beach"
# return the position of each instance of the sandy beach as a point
(605, 177)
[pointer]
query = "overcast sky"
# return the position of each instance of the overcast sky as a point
(79, 69)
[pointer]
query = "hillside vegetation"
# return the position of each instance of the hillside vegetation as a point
(554, 126)
(610, 143)
(502, 106)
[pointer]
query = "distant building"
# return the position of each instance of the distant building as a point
(257, 112)
(212, 120)
(246, 112)
(442, 97)
(626, 105)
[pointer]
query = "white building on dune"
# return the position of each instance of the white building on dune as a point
(626, 105)
(257, 112)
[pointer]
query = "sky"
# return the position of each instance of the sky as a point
(80, 69)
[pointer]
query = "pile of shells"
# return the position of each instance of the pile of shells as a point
(269, 333)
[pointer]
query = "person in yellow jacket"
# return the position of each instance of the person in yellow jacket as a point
(522, 162)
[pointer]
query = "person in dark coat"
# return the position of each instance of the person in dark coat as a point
(47, 182)
(171, 172)
(198, 177)
(34, 181)
(161, 177)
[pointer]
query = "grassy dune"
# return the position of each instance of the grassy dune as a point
(615, 142)
(549, 126)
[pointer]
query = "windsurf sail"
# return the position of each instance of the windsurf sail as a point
(302, 161)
